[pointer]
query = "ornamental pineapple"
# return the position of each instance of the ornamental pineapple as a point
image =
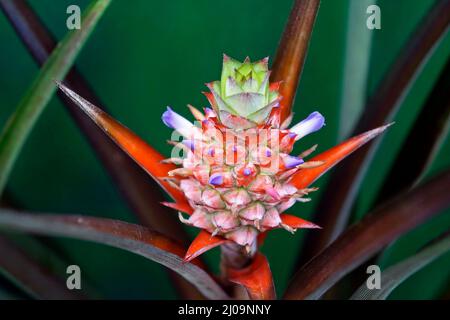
(236, 167)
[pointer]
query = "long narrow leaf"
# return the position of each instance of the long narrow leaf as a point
(292, 50)
(393, 276)
(420, 149)
(423, 142)
(370, 235)
(42, 89)
(36, 280)
(356, 66)
(130, 237)
(339, 195)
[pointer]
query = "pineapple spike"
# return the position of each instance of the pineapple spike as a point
(196, 113)
(285, 175)
(179, 145)
(287, 121)
(180, 216)
(177, 161)
(288, 228)
(182, 172)
(306, 191)
(306, 153)
(142, 153)
(215, 232)
(172, 182)
(311, 164)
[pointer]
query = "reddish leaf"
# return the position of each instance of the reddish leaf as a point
(419, 150)
(203, 242)
(341, 190)
(423, 142)
(126, 236)
(304, 177)
(370, 235)
(256, 278)
(34, 278)
(297, 223)
(292, 51)
(147, 157)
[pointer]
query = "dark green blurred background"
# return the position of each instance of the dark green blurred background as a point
(145, 55)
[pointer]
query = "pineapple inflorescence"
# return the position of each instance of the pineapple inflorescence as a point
(235, 164)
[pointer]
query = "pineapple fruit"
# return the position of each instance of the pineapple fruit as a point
(236, 165)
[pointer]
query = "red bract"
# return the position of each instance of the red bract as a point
(256, 278)
(204, 241)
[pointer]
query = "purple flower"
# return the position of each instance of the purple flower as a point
(216, 179)
(291, 162)
(313, 123)
(174, 121)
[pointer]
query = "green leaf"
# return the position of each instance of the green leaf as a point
(292, 51)
(356, 66)
(364, 239)
(41, 91)
(393, 276)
